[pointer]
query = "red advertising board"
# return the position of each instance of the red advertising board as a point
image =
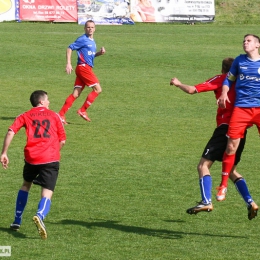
(48, 10)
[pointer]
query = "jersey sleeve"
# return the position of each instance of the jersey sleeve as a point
(18, 123)
(79, 43)
(210, 84)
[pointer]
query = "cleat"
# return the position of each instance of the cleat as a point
(40, 226)
(15, 226)
(84, 115)
(63, 120)
(200, 207)
(221, 194)
(252, 210)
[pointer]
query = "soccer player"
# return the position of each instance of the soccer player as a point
(215, 147)
(45, 137)
(245, 71)
(86, 51)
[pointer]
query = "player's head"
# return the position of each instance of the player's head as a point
(256, 38)
(39, 98)
(251, 43)
(226, 64)
(89, 28)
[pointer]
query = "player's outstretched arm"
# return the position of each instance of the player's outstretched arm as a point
(186, 88)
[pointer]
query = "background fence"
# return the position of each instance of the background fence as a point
(108, 11)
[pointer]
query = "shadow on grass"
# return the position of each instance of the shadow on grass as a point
(73, 123)
(17, 234)
(160, 233)
(7, 118)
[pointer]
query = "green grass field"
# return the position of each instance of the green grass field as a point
(237, 11)
(126, 178)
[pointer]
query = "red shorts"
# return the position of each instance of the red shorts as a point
(241, 119)
(85, 76)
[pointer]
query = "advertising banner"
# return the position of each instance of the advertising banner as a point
(48, 10)
(188, 11)
(104, 11)
(7, 10)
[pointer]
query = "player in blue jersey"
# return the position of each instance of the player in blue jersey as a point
(86, 50)
(245, 70)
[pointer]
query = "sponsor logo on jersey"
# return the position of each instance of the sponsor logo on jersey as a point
(242, 77)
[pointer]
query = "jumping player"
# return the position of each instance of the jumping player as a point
(45, 137)
(215, 148)
(245, 71)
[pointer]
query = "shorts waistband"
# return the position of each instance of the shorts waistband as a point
(83, 65)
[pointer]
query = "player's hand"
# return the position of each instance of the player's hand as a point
(69, 69)
(175, 81)
(102, 50)
(4, 161)
(221, 102)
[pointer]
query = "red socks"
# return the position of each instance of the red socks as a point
(227, 165)
(67, 105)
(70, 100)
(90, 99)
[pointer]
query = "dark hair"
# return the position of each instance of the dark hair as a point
(226, 64)
(255, 36)
(89, 21)
(36, 97)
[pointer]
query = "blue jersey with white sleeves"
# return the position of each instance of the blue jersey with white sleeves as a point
(86, 49)
(246, 72)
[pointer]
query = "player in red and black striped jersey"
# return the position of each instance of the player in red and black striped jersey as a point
(215, 147)
(45, 138)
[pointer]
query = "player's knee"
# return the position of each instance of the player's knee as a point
(199, 167)
(97, 88)
(231, 148)
(98, 91)
(77, 91)
(203, 169)
(76, 94)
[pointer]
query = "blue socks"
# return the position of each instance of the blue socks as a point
(205, 188)
(240, 184)
(21, 202)
(43, 207)
(243, 190)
